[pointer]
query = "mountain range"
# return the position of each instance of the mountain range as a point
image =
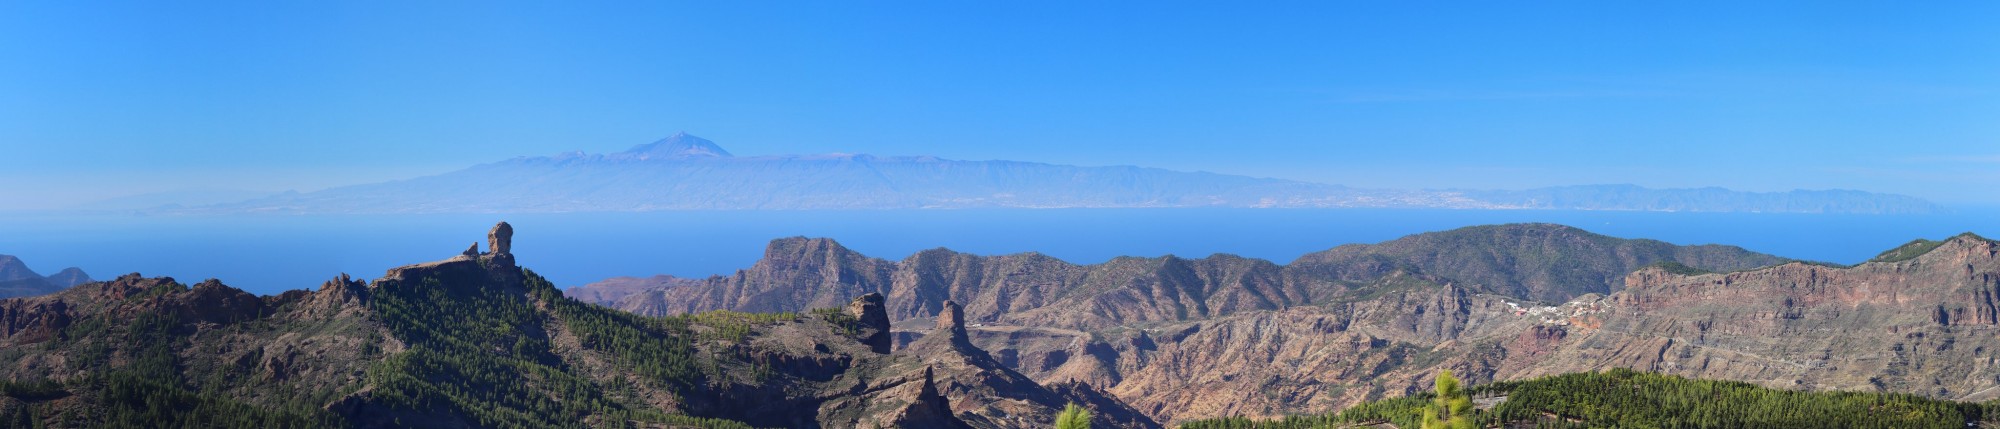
(16, 279)
(684, 172)
(1182, 339)
(818, 336)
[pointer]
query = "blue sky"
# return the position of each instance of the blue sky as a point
(103, 100)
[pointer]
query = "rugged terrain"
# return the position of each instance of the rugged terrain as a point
(477, 341)
(1182, 339)
(816, 335)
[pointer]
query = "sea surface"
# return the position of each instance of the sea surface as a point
(267, 254)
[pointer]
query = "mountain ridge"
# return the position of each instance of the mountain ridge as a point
(916, 283)
(17, 280)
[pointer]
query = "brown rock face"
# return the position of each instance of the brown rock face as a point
(213, 302)
(500, 241)
(951, 321)
(929, 409)
(28, 321)
(875, 320)
(989, 394)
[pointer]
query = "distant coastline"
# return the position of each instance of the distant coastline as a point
(684, 172)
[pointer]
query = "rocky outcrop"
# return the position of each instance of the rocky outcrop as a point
(951, 324)
(494, 268)
(874, 321)
(989, 394)
(211, 301)
(500, 241)
(929, 409)
(29, 321)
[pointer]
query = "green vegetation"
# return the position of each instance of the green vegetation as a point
(1679, 268)
(136, 380)
(1452, 409)
(35, 390)
(1630, 399)
(1403, 412)
(1918, 247)
(843, 323)
(1073, 417)
(1907, 251)
(473, 352)
(482, 353)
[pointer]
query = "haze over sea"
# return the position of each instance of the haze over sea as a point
(270, 254)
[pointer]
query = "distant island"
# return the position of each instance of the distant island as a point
(684, 172)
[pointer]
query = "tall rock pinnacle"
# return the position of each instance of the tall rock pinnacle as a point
(501, 240)
(868, 309)
(952, 320)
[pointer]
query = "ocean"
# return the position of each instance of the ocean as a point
(267, 254)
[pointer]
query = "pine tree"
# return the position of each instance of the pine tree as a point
(1452, 409)
(1073, 417)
